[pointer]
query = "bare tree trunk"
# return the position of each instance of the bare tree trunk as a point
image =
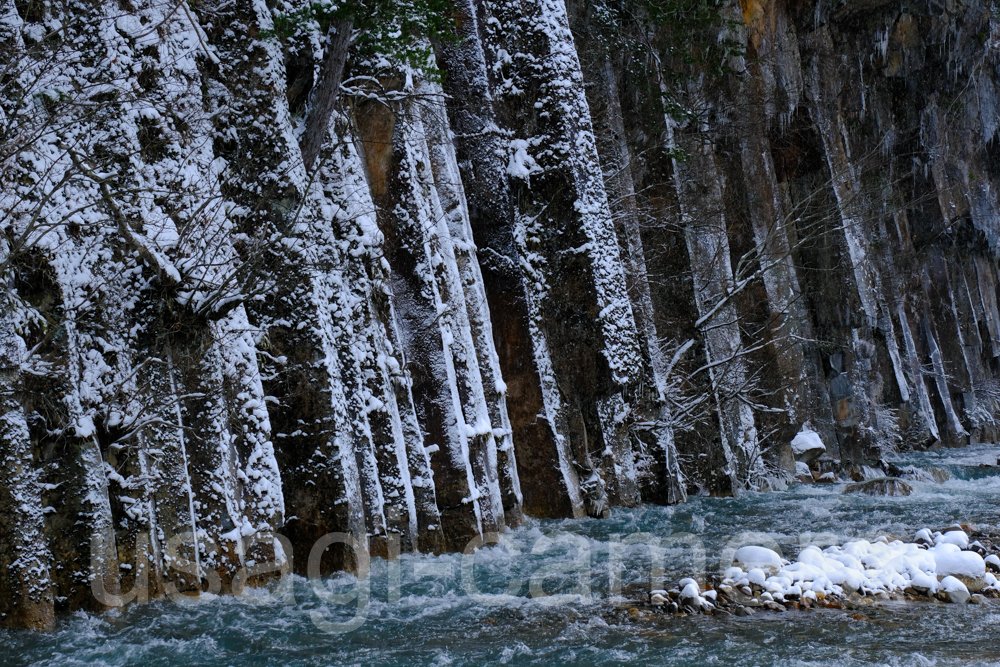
(324, 98)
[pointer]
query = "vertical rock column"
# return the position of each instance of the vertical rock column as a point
(25, 588)
(805, 397)
(855, 210)
(774, 76)
(699, 192)
(481, 147)
(378, 385)
(283, 221)
(430, 302)
(565, 238)
(616, 165)
(451, 194)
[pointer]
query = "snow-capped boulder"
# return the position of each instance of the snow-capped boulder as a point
(807, 446)
(802, 473)
(954, 590)
(993, 562)
(966, 566)
(756, 577)
(955, 536)
(691, 597)
(750, 557)
(924, 583)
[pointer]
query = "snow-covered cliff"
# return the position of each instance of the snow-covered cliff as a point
(617, 253)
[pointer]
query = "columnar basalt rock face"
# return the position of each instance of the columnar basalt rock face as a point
(480, 146)
(588, 267)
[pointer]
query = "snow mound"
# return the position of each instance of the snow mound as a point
(873, 569)
(750, 557)
(957, 537)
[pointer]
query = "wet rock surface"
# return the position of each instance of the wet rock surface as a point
(884, 486)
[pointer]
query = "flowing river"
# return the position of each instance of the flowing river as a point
(550, 594)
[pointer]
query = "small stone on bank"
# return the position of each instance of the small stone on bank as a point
(993, 562)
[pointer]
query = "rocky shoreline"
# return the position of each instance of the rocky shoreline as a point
(958, 564)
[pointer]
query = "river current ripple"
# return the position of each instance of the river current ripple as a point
(549, 595)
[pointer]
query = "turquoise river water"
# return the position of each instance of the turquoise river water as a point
(547, 596)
